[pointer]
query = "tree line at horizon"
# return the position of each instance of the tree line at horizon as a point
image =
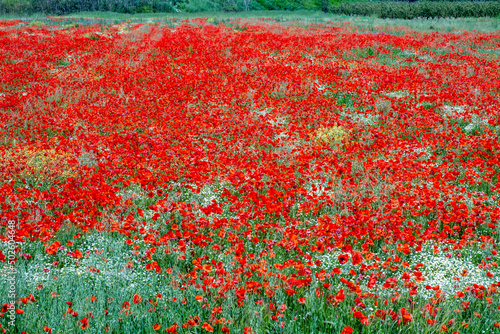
(349, 7)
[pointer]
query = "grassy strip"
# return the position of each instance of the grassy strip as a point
(364, 22)
(109, 286)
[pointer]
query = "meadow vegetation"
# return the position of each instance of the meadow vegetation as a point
(250, 175)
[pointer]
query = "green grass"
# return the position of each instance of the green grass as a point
(70, 280)
(364, 22)
(116, 282)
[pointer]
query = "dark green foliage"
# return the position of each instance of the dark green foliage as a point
(61, 7)
(398, 9)
(423, 9)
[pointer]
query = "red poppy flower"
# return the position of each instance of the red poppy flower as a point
(343, 258)
(78, 254)
(85, 323)
(171, 329)
(206, 326)
(207, 268)
(357, 258)
(137, 299)
(347, 330)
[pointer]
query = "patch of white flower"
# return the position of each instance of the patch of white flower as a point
(86, 158)
(459, 112)
(358, 117)
(441, 268)
(94, 248)
(279, 121)
(397, 94)
(320, 189)
(263, 112)
(422, 153)
(319, 86)
(408, 53)
(476, 123)
(207, 195)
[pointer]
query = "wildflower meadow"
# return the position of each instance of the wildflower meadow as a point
(248, 176)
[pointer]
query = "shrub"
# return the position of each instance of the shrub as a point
(422, 9)
(334, 135)
(38, 165)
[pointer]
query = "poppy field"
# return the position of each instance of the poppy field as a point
(248, 176)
